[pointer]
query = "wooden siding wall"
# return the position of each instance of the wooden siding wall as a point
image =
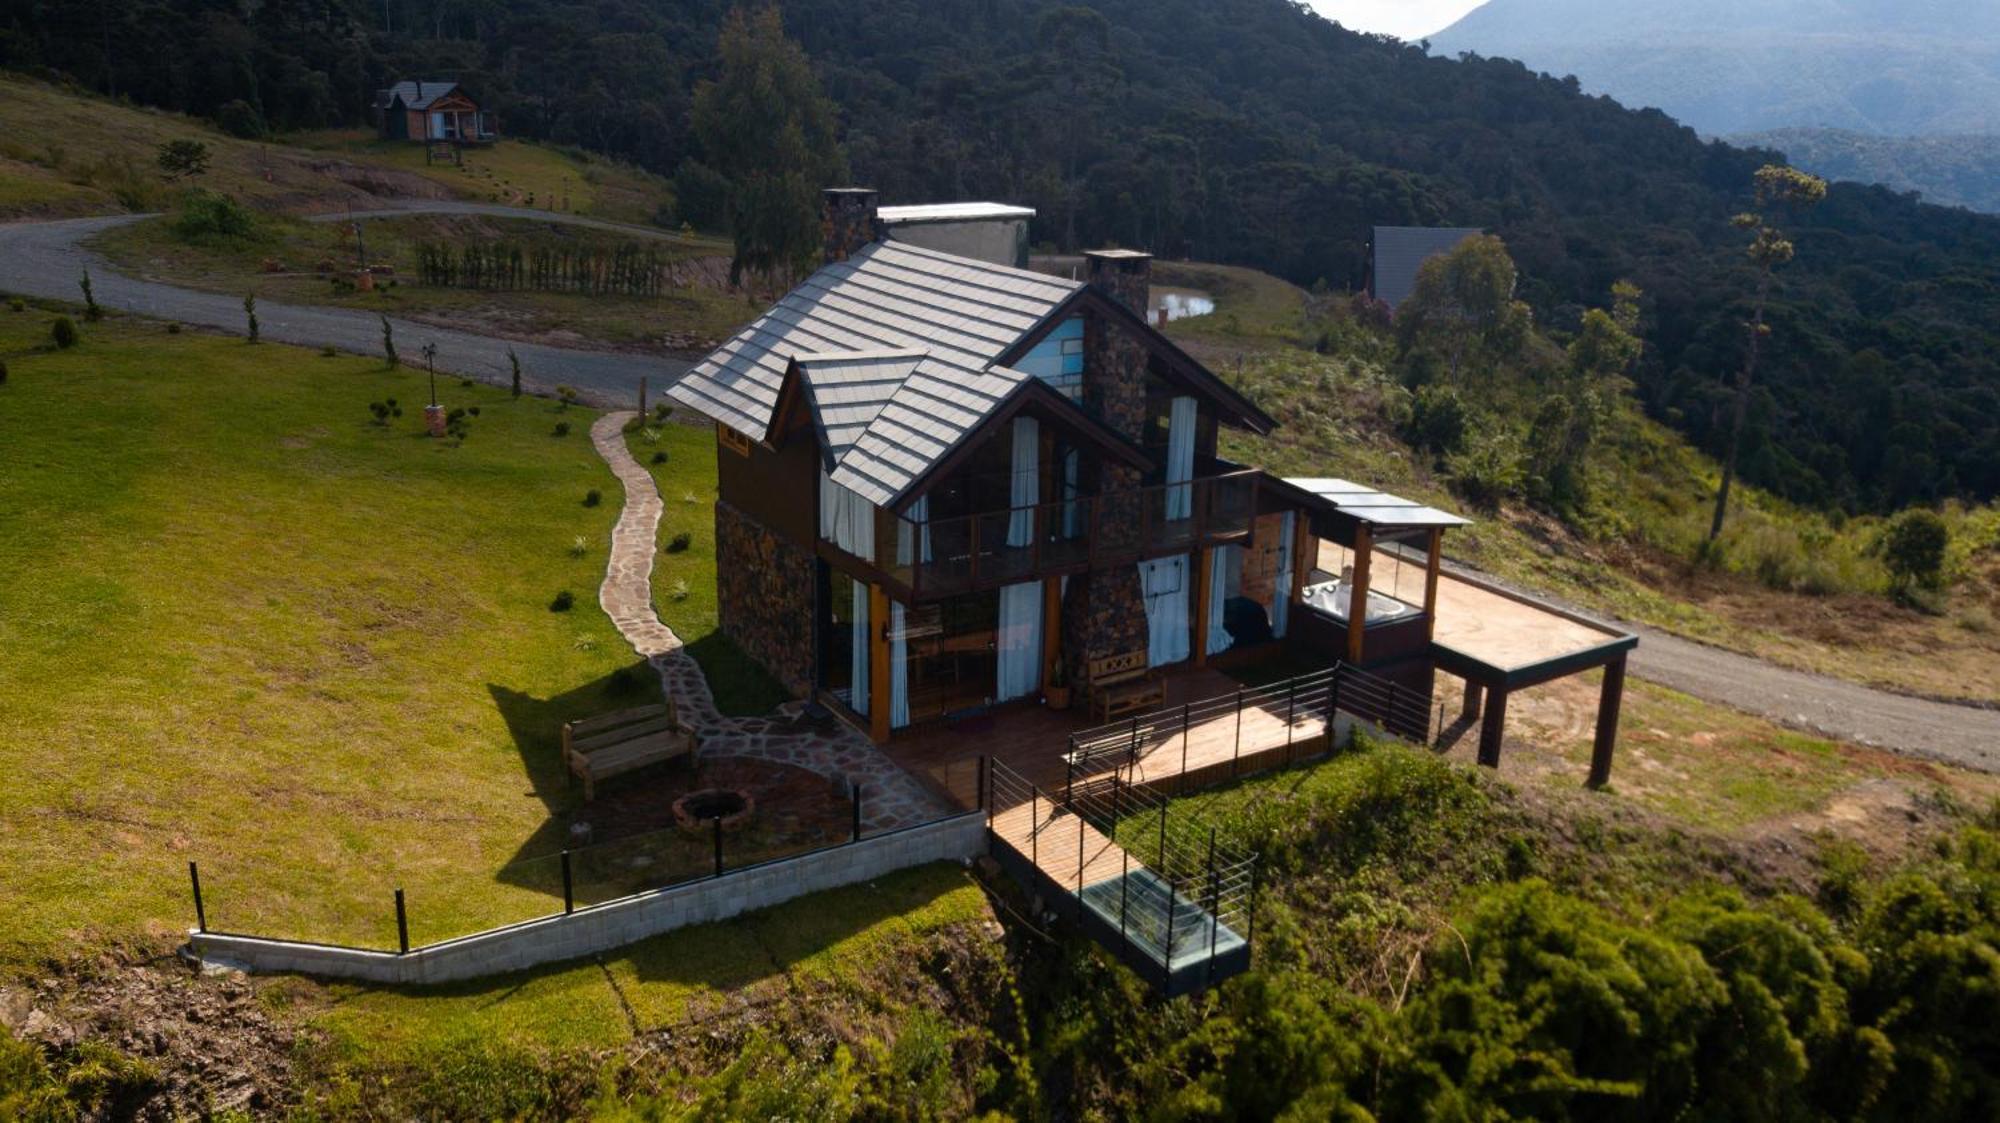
(778, 489)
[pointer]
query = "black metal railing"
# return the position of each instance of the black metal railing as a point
(1283, 719)
(944, 556)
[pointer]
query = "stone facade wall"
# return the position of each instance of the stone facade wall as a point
(613, 924)
(1104, 614)
(848, 221)
(1114, 368)
(764, 597)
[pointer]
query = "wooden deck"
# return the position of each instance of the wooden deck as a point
(1060, 844)
(1032, 740)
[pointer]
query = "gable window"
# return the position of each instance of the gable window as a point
(1058, 359)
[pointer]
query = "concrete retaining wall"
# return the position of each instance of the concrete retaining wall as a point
(614, 923)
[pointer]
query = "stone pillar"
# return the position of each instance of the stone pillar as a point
(847, 221)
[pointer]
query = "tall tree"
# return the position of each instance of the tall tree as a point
(1793, 191)
(767, 128)
(1462, 311)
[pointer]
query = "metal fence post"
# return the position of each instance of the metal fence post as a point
(402, 926)
(200, 916)
(718, 845)
(1035, 826)
(1214, 903)
(1333, 700)
(979, 787)
(857, 813)
(569, 892)
(1180, 782)
(1079, 856)
(1236, 749)
(1291, 712)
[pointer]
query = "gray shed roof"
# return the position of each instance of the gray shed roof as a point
(952, 212)
(891, 296)
(1376, 508)
(415, 95)
(1399, 251)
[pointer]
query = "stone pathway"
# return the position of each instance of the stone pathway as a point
(890, 797)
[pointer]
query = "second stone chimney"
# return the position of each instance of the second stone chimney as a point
(848, 221)
(1114, 368)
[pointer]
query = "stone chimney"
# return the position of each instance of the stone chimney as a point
(848, 221)
(1125, 275)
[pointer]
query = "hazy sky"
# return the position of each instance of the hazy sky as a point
(1406, 19)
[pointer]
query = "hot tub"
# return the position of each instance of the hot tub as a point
(1332, 598)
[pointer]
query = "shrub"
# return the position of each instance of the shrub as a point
(173, 327)
(561, 429)
(579, 546)
(1487, 471)
(91, 312)
(1913, 549)
(239, 118)
(208, 216)
(660, 457)
(327, 352)
(473, 410)
(592, 498)
(1437, 420)
(3, 372)
(64, 332)
(381, 411)
(514, 361)
(389, 344)
(564, 601)
(250, 315)
(182, 159)
(678, 543)
(17, 305)
(678, 590)
(662, 411)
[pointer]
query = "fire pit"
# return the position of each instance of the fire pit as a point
(695, 812)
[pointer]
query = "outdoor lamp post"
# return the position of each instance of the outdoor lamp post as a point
(433, 413)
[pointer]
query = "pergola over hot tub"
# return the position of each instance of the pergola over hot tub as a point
(1422, 617)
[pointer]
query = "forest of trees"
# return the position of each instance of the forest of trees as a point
(1246, 131)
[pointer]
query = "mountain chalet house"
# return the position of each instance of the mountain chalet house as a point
(950, 486)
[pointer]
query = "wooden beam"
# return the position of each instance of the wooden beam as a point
(1051, 627)
(1357, 600)
(1432, 564)
(1608, 701)
(878, 664)
(1491, 729)
(1204, 573)
(1474, 696)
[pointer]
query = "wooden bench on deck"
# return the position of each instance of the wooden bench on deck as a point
(1122, 684)
(600, 747)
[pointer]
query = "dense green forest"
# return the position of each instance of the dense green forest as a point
(1246, 131)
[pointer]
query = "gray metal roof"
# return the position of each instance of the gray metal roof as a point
(848, 391)
(1376, 508)
(415, 95)
(952, 212)
(964, 314)
(934, 409)
(1399, 251)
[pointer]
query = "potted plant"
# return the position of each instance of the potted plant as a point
(1055, 693)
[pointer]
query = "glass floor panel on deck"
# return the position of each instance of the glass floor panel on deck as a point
(1145, 899)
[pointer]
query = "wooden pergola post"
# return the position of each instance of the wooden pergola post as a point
(1491, 729)
(879, 670)
(1357, 598)
(1204, 573)
(1608, 700)
(1433, 562)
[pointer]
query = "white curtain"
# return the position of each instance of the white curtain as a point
(1180, 458)
(1164, 583)
(899, 670)
(1020, 641)
(1027, 488)
(915, 524)
(1218, 597)
(846, 519)
(859, 700)
(1281, 599)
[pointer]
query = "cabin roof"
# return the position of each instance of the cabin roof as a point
(961, 313)
(417, 94)
(1399, 251)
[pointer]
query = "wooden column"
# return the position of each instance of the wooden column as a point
(1608, 702)
(1051, 627)
(1491, 729)
(1357, 600)
(1204, 562)
(1474, 695)
(1431, 567)
(878, 664)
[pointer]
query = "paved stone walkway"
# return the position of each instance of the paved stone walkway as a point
(890, 797)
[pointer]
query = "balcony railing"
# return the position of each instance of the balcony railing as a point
(942, 557)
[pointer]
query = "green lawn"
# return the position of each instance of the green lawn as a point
(684, 575)
(247, 626)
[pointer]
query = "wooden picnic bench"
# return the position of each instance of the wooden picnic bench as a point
(600, 747)
(1121, 684)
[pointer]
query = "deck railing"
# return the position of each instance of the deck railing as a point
(1304, 709)
(944, 556)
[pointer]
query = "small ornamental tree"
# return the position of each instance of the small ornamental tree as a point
(91, 312)
(250, 314)
(182, 159)
(389, 344)
(1913, 549)
(514, 361)
(63, 332)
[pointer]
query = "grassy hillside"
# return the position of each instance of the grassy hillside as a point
(64, 153)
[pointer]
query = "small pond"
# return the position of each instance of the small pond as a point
(1179, 303)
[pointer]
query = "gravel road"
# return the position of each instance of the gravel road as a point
(46, 259)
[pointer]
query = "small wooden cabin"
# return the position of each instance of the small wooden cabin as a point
(430, 111)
